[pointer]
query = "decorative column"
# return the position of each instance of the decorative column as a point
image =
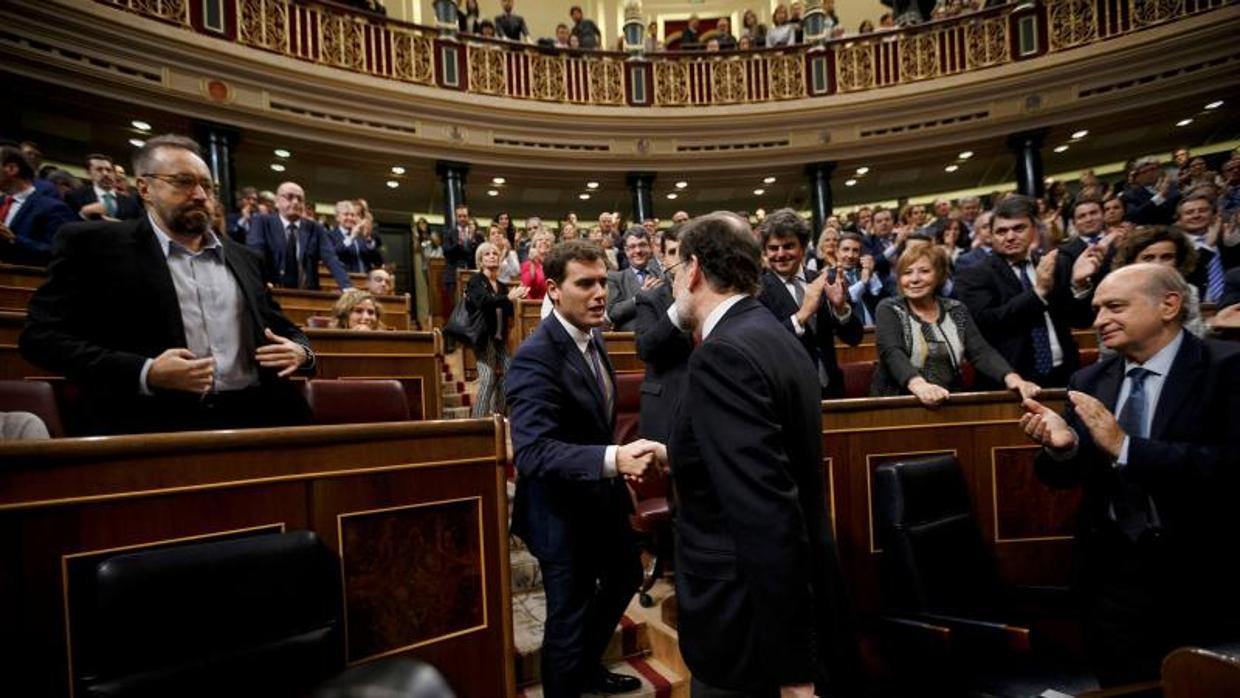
(821, 204)
(218, 143)
(814, 22)
(1027, 147)
(452, 175)
(634, 30)
(640, 186)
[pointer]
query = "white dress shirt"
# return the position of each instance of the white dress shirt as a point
(1026, 268)
(582, 339)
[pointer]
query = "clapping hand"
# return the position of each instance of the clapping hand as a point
(1045, 426)
(1045, 273)
(1103, 427)
(837, 295)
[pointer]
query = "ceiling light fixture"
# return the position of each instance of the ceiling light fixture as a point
(498, 180)
(681, 185)
(143, 126)
(850, 182)
(863, 170)
(965, 155)
(492, 192)
(392, 184)
(591, 185)
(398, 170)
(951, 168)
(282, 153)
(1078, 135)
(759, 192)
(1183, 122)
(137, 142)
(672, 195)
(1215, 104)
(277, 167)
(583, 196)
(1061, 148)
(768, 180)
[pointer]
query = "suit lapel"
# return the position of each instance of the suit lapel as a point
(1109, 384)
(1179, 384)
(151, 258)
(577, 361)
(26, 211)
(1007, 275)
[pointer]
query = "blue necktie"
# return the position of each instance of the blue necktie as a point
(1133, 509)
(1215, 276)
(1043, 359)
(109, 204)
(600, 375)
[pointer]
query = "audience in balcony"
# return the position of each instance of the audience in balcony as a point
(469, 17)
(509, 25)
(784, 31)
(723, 35)
(584, 28)
(752, 30)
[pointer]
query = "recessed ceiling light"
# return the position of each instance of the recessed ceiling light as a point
(143, 126)
(951, 168)
(583, 196)
(965, 155)
(498, 180)
(1061, 148)
(681, 185)
(1078, 135)
(398, 170)
(591, 185)
(1215, 105)
(672, 195)
(492, 192)
(137, 142)
(282, 153)
(277, 167)
(759, 192)
(862, 170)
(850, 182)
(1183, 122)
(392, 184)
(768, 180)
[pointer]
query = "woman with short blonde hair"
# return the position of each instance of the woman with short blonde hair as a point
(357, 309)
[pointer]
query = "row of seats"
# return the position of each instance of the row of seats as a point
(342, 401)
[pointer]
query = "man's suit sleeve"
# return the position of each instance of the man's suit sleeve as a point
(850, 331)
(978, 289)
(49, 339)
(327, 253)
(52, 214)
(621, 310)
(743, 449)
(536, 402)
(657, 338)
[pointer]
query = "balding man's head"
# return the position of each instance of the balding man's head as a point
(1140, 309)
(291, 200)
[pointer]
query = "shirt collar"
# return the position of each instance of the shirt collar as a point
(717, 314)
(21, 196)
(285, 223)
(1160, 363)
(166, 242)
(100, 192)
(580, 337)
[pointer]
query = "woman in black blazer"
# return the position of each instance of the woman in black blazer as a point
(485, 294)
(924, 338)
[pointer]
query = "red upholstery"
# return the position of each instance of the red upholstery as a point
(1089, 357)
(319, 322)
(356, 401)
(857, 378)
(628, 406)
(36, 397)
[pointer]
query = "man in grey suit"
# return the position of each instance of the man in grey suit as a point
(623, 286)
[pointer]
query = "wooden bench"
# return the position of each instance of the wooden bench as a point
(327, 282)
(416, 512)
(401, 355)
(298, 305)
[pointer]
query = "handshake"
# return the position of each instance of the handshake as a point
(633, 459)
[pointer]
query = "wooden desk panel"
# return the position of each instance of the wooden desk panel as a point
(327, 281)
(15, 298)
(354, 354)
(362, 488)
(1028, 525)
(22, 276)
(622, 350)
(299, 305)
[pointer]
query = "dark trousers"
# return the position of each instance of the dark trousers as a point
(586, 596)
(697, 689)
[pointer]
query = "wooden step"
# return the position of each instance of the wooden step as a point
(529, 610)
(658, 681)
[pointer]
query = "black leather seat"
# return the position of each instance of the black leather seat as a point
(252, 616)
(940, 581)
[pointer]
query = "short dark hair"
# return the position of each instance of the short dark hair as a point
(784, 223)
(1198, 194)
(575, 8)
(725, 249)
(1017, 206)
(672, 234)
(850, 235)
(1085, 200)
(560, 26)
(142, 158)
(555, 266)
(1144, 236)
(60, 176)
(99, 156)
(635, 231)
(10, 155)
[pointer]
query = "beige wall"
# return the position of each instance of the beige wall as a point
(543, 15)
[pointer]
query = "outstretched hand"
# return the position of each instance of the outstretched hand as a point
(1045, 426)
(283, 354)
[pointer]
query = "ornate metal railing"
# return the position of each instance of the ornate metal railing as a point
(331, 35)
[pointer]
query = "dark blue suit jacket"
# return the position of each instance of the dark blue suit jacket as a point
(35, 225)
(266, 237)
(356, 256)
(560, 434)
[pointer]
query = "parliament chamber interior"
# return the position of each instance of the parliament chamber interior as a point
(427, 348)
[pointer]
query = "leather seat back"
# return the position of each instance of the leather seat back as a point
(628, 406)
(857, 378)
(934, 557)
(36, 397)
(357, 401)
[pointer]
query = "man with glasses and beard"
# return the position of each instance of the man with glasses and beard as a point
(162, 324)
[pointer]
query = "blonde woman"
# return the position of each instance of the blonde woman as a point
(486, 294)
(357, 309)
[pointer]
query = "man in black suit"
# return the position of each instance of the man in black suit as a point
(1023, 304)
(238, 222)
(796, 296)
(358, 247)
(1197, 214)
(862, 281)
(572, 507)
(623, 285)
(1151, 196)
(1150, 435)
(663, 345)
(29, 219)
(758, 584)
(101, 200)
(291, 245)
(511, 26)
(161, 324)
(586, 31)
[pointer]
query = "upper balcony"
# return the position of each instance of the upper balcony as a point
(332, 74)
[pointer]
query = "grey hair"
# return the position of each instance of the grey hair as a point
(483, 249)
(1160, 281)
(146, 154)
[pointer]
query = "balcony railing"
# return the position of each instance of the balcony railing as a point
(331, 35)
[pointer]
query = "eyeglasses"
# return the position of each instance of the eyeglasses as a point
(184, 182)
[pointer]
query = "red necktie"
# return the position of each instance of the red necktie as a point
(4, 208)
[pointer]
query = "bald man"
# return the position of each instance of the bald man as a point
(1150, 435)
(292, 243)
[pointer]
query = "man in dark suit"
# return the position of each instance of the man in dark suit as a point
(861, 278)
(161, 324)
(238, 222)
(641, 274)
(358, 247)
(572, 507)
(1197, 214)
(758, 583)
(460, 243)
(292, 245)
(586, 31)
(1151, 196)
(511, 26)
(796, 296)
(663, 345)
(101, 200)
(980, 245)
(28, 219)
(1022, 303)
(1150, 435)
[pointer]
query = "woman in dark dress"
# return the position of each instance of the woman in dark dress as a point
(485, 294)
